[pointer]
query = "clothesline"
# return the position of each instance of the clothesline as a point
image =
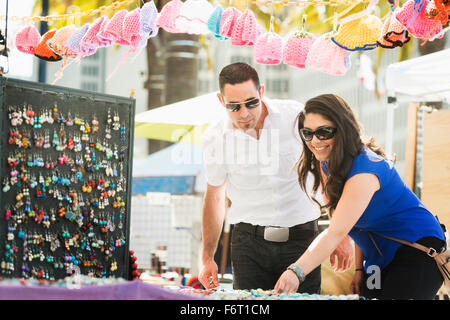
(76, 15)
(118, 4)
(329, 52)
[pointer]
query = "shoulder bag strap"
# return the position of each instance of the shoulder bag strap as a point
(429, 251)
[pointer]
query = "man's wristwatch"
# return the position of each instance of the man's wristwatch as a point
(298, 271)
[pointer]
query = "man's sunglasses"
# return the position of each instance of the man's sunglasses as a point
(322, 133)
(249, 104)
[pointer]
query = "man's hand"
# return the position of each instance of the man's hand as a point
(344, 254)
(208, 275)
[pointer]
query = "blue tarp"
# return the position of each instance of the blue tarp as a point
(173, 169)
(173, 185)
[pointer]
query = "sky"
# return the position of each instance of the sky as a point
(20, 64)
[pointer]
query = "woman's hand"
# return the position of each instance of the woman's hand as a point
(355, 285)
(344, 255)
(287, 283)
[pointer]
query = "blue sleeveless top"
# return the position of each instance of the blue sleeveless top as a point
(393, 211)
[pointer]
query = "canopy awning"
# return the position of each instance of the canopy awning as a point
(426, 78)
(183, 121)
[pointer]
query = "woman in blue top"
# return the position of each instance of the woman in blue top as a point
(366, 199)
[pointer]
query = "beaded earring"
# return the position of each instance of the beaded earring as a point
(85, 137)
(94, 125)
(33, 182)
(62, 131)
(116, 152)
(70, 143)
(39, 161)
(69, 120)
(122, 132)
(55, 140)
(43, 116)
(27, 115)
(25, 142)
(116, 123)
(12, 137)
(55, 112)
(46, 144)
(37, 122)
(85, 127)
(6, 186)
(39, 140)
(108, 153)
(12, 161)
(120, 225)
(60, 119)
(49, 117)
(108, 125)
(52, 163)
(77, 120)
(15, 117)
(78, 145)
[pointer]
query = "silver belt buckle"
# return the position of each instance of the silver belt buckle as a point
(276, 234)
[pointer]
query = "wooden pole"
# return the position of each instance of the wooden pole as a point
(411, 146)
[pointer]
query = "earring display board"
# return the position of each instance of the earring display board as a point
(65, 162)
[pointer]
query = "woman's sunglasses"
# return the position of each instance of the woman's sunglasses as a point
(322, 133)
(236, 106)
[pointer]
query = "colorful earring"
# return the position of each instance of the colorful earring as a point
(70, 143)
(116, 124)
(69, 120)
(94, 125)
(122, 132)
(46, 144)
(6, 186)
(55, 112)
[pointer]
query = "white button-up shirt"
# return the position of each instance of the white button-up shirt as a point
(260, 175)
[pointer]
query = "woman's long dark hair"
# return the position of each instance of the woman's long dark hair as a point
(347, 145)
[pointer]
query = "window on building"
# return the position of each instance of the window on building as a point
(89, 86)
(89, 70)
(238, 58)
(278, 85)
(94, 56)
(203, 86)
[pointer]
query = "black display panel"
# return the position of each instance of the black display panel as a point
(65, 163)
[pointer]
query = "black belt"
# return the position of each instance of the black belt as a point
(300, 231)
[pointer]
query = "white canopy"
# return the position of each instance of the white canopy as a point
(180, 121)
(426, 78)
(422, 79)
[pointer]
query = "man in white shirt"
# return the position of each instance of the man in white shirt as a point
(250, 157)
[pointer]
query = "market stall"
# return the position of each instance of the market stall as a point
(66, 163)
(422, 79)
(423, 83)
(66, 154)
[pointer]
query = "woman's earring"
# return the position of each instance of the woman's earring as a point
(312, 162)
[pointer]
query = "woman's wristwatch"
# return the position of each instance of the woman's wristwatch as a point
(298, 271)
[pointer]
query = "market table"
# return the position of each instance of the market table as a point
(127, 290)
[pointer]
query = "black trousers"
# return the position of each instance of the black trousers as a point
(412, 274)
(258, 263)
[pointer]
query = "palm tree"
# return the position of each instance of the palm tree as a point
(172, 70)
